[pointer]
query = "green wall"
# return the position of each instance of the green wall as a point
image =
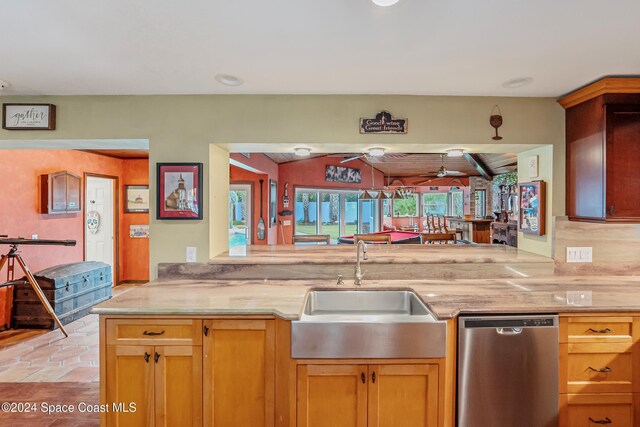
(182, 128)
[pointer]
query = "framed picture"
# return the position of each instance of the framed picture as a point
(28, 116)
(342, 174)
(532, 197)
(136, 198)
(140, 231)
(273, 202)
(179, 191)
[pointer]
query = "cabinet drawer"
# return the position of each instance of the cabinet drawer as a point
(596, 329)
(582, 410)
(154, 331)
(597, 368)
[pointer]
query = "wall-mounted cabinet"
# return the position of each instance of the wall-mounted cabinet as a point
(603, 151)
(60, 193)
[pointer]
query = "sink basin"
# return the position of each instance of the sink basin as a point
(366, 324)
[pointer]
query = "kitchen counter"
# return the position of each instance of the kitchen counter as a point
(446, 299)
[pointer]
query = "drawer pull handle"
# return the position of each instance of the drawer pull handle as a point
(146, 357)
(601, 331)
(363, 378)
(605, 421)
(152, 334)
(606, 370)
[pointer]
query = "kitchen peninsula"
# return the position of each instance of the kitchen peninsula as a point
(219, 352)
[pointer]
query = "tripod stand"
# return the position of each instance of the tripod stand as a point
(10, 259)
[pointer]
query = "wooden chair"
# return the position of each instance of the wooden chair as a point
(312, 238)
(440, 237)
(372, 238)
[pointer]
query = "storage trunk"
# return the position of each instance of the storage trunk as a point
(72, 289)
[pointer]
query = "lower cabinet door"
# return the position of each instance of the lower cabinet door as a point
(403, 395)
(590, 410)
(239, 373)
(130, 386)
(332, 395)
(178, 385)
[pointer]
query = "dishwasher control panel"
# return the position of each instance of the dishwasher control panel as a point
(532, 322)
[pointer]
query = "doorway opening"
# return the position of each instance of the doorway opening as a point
(240, 217)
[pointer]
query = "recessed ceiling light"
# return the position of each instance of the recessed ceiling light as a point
(455, 152)
(376, 152)
(517, 82)
(302, 151)
(4, 84)
(229, 80)
(385, 3)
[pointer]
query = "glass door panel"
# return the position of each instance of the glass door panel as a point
(239, 217)
(330, 215)
(306, 212)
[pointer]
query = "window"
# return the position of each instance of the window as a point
(435, 204)
(457, 204)
(334, 212)
(405, 207)
(480, 199)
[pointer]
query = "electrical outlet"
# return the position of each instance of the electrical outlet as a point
(34, 237)
(286, 222)
(580, 254)
(191, 254)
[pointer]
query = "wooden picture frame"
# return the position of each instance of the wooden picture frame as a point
(179, 191)
(136, 199)
(532, 199)
(25, 116)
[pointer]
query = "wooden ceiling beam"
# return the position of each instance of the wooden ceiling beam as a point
(479, 166)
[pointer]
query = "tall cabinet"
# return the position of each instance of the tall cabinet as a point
(603, 151)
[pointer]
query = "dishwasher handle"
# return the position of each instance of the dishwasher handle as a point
(509, 331)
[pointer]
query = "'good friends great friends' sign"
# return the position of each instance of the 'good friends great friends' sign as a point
(28, 116)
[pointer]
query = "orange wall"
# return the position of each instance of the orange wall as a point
(20, 211)
(134, 252)
(311, 173)
(267, 169)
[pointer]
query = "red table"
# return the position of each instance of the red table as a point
(396, 237)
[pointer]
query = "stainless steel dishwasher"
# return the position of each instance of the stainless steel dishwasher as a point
(508, 371)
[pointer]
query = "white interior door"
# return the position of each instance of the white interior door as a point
(100, 242)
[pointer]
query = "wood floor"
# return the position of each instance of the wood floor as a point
(50, 394)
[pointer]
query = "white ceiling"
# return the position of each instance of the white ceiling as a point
(452, 47)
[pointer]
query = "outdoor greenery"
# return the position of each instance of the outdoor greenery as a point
(405, 207)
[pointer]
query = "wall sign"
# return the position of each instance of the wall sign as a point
(28, 116)
(383, 123)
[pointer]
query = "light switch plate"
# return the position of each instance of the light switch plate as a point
(580, 254)
(286, 222)
(191, 254)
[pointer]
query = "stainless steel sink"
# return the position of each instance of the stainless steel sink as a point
(366, 324)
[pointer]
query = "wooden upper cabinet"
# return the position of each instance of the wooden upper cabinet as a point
(603, 151)
(332, 395)
(403, 392)
(239, 373)
(60, 193)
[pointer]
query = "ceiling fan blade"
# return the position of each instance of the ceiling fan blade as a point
(352, 158)
(454, 173)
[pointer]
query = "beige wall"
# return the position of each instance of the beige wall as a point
(182, 128)
(554, 204)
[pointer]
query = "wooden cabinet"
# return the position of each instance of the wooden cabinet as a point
(163, 382)
(239, 373)
(60, 193)
(599, 370)
(368, 395)
(603, 151)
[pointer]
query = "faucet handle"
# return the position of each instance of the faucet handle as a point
(340, 281)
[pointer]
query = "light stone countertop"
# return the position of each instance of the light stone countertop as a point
(383, 254)
(284, 298)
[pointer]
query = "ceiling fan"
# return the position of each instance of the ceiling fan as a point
(442, 172)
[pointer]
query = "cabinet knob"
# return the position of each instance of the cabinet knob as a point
(363, 378)
(156, 357)
(146, 357)
(373, 377)
(605, 421)
(205, 330)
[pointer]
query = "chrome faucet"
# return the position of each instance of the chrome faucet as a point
(359, 274)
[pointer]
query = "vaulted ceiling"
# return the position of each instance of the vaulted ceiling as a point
(462, 47)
